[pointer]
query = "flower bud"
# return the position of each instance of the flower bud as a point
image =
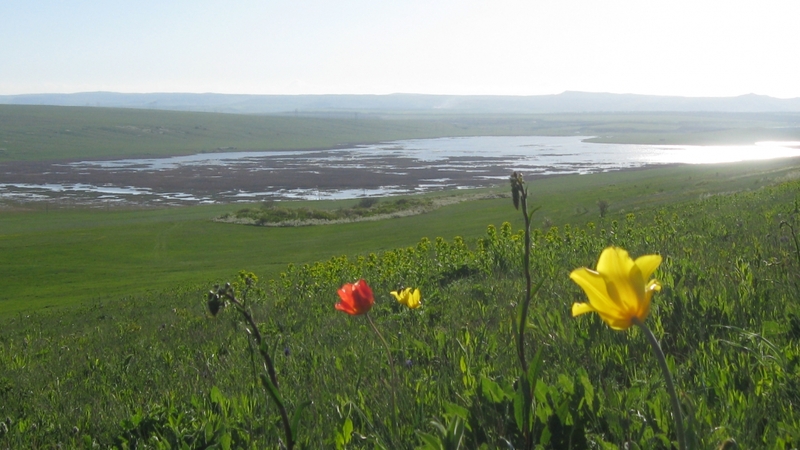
(214, 305)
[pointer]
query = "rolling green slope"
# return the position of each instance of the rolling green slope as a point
(36, 133)
(56, 133)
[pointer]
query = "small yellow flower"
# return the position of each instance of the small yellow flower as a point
(408, 298)
(619, 290)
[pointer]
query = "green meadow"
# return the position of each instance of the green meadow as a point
(37, 133)
(108, 340)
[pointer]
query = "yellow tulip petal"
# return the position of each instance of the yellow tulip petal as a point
(623, 278)
(414, 299)
(644, 307)
(594, 285)
(648, 264)
(617, 323)
(404, 296)
(581, 308)
(408, 297)
(615, 262)
(619, 290)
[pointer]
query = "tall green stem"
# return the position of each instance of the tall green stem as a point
(662, 362)
(794, 236)
(391, 366)
(519, 194)
(228, 293)
(527, 269)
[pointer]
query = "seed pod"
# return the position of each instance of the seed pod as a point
(516, 188)
(213, 306)
(515, 197)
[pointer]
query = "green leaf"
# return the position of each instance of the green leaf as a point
(225, 441)
(519, 401)
(544, 439)
(347, 430)
(272, 390)
(535, 367)
(566, 384)
(588, 389)
(430, 441)
(216, 396)
(339, 440)
(296, 418)
(563, 412)
(456, 410)
(522, 404)
(492, 390)
(455, 434)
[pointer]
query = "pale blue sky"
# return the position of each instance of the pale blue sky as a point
(509, 47)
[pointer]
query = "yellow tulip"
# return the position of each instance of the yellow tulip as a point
(619, 290)
(408, 297)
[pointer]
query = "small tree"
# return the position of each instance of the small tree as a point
(602, 205)
(367, 202)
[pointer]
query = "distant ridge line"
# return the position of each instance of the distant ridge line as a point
(566, 102)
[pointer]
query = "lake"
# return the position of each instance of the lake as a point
(390, 168)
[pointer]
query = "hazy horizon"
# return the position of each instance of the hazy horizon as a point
(509, 47)
(392, 93)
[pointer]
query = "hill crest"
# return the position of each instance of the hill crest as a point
(566, 102)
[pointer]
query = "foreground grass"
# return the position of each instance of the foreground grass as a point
(62, 257)
(155, 371)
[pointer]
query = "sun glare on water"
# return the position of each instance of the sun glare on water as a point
(730, 153)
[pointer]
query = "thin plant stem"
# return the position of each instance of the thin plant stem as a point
(519, 193)
(523, 319)
(391, 367)
(794, 236)
(662, 362)
(287, 429)
(257, 336)
(527, 268)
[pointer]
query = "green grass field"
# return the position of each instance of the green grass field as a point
(36, 133)
(152, 369)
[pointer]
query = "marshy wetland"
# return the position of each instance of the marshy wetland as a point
(392, 168)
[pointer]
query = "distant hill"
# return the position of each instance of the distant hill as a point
(566, 102)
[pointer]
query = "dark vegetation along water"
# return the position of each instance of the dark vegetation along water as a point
(107, 339)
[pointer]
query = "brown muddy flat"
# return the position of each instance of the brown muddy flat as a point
(23, 182)
(392, 168)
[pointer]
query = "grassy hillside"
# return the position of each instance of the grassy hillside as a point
(32, 133)
(55, 133)
(155, 370)
(59, 257)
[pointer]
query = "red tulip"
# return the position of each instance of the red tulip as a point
(356, 298)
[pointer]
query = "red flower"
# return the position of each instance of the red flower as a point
(356, 298)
